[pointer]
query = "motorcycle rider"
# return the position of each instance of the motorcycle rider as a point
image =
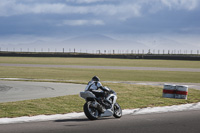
(94, 85)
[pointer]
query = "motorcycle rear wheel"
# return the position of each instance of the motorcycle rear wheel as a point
(117, 111)
(91, 112)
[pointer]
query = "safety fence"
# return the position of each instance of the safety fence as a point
(128, 51)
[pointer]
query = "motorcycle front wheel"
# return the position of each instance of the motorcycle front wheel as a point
(91, 112)
(117, 111)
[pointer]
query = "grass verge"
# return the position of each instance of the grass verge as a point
(129, 97)
(107, 75)
(101, 62)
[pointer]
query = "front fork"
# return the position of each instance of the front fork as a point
(114, 99)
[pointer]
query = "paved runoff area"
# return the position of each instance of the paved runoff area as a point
(11, 91)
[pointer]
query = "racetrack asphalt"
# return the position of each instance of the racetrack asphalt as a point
(170, 122)
(104, 67)
(23, 90)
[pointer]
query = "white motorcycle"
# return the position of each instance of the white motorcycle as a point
(96, 106)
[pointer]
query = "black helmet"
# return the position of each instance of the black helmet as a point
(95, 78)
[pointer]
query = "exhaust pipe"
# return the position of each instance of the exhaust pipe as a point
(97, 106)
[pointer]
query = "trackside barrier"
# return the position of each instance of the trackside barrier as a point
(181, 92)
(175, 91)
(168, 91)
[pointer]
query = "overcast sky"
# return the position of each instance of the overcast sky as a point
(138, 23)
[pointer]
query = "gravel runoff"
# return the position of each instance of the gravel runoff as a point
(105, 67)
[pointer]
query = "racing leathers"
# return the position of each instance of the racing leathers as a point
(93, 86)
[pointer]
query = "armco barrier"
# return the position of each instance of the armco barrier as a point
(175, 91)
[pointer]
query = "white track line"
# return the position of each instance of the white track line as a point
(175, 108)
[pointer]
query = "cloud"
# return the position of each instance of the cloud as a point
(121, 10)
(85, 1)
(81, 22)
(101, 16)
(190, 29)
(180, 4)
(12, 7)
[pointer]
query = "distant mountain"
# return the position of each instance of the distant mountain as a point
(92, 38)
(93, 42)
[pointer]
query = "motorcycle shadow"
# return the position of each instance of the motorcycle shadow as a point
(82, 119)
(72, 120)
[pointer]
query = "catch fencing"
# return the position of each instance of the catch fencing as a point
(117, 52)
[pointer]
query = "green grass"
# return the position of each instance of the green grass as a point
(129, 97)
(56, 105)
(102, 62)
(105, 75)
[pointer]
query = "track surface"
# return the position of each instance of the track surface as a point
(105, 67)
(174, 122)
(24, 90)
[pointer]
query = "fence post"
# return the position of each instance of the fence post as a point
(149, 52)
